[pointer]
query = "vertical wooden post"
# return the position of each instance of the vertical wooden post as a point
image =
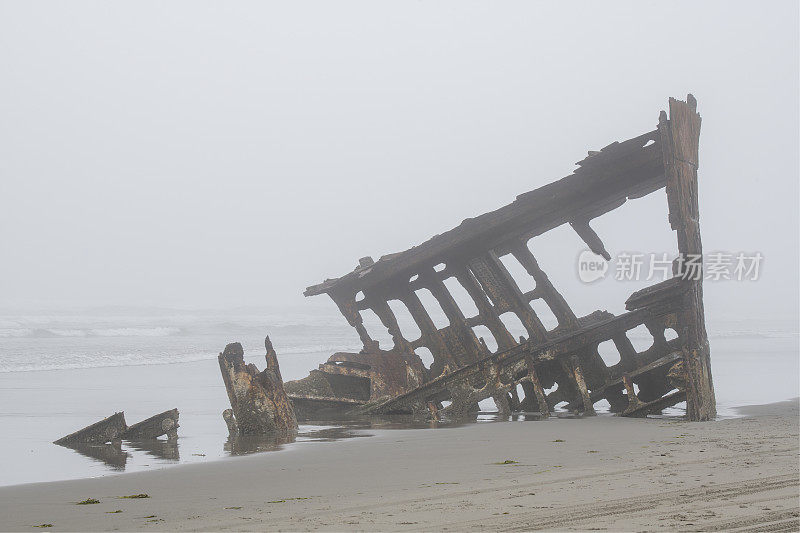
(680, 137)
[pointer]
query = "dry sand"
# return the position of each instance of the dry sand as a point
(601, 473)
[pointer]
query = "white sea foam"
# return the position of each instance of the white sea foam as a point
(65, 332)
(134, 332)
(91, 332)
(77, 361)
(100, 362)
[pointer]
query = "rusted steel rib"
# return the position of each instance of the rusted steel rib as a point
(640, 408)
(603, 182)
(464, 370)
(514, 363)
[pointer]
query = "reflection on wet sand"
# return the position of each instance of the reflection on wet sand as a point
(409, 422)
(111, 454)
(246, 444)
(116, 455)
(162, 449)
(329, 430)
(330, 434)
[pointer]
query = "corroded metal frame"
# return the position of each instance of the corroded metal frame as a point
(464, 370)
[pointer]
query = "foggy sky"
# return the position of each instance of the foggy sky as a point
(233, 153)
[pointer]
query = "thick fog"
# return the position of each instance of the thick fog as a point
(216, 154)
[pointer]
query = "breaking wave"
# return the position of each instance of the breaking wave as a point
(80, 362)
(154, 356)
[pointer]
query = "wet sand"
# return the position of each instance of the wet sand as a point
(606, 472)
(38, 407)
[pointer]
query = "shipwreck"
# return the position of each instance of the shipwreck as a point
(464, 370)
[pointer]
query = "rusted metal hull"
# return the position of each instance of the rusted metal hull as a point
(165, 423)
(107, 430)
(114, 428)
(258, 399)
(464, 371)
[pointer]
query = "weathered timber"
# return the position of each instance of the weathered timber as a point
(165, 423)
(107, 430)
(564, 359)
(258, 400)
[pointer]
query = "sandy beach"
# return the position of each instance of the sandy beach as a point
(595, 473)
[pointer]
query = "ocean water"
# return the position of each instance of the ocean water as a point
(60, 371)
(107, 337)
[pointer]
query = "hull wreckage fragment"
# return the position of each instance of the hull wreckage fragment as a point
(258, 400)
(107, 430)
(165, 423)
(114, 428)
(564, 359)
